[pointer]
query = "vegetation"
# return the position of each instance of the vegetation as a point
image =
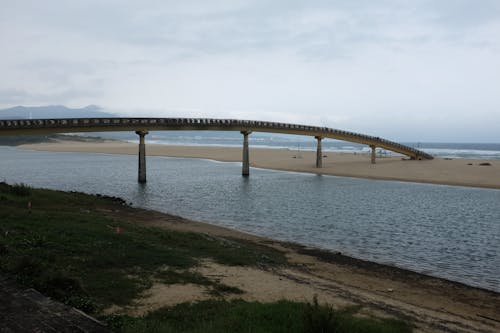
(66, 248)
(240, 316)
(16, 140)
(64, 245)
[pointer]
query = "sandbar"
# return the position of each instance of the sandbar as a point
(458, 171)
(431, 304)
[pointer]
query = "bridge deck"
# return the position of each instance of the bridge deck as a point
(75, 125)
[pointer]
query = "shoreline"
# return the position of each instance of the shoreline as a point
(439, 171)
(319, 253)
(257, 270)
(433, 304)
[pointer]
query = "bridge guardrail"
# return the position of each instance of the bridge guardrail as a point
(106, 124)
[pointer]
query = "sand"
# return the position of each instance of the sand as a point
(462, 172)
(431, 304)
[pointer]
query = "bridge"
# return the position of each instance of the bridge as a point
(142, 126)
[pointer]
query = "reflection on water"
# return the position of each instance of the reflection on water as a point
(452, 232)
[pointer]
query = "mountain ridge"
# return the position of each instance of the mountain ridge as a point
(53, 111)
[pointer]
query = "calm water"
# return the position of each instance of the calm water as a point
(451, 232)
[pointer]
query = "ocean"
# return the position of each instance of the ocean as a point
(294, 142)
(445, 231)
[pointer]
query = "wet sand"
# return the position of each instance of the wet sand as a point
(431, 304)
(462, 172)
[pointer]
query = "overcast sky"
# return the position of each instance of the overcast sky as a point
(405, 70)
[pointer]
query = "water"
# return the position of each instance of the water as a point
(298, 142)
(295, 142)
(445, 231)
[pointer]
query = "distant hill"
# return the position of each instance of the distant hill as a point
(53, 111)
(44, 112)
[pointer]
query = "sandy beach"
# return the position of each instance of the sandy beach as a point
(462, 172)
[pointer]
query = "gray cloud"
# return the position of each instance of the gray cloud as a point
(357, 64)
(13, 96)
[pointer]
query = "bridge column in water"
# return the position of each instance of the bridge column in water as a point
(319, 153)
(373, 154)
(142, 156)
(245, 171)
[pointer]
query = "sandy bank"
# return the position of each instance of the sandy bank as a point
(434, 305)
(431, 304)
(463, 172)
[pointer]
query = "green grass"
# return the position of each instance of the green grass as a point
(68, 249)
(170, 276)
(65, 238)
(240, 316)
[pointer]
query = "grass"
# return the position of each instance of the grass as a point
(240, 316)
(65, 247)
(217, 289)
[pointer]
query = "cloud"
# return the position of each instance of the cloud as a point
(354, 64)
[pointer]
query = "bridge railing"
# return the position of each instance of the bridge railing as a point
(75, 124)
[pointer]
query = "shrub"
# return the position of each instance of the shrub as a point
(319, 318)
(20, 190)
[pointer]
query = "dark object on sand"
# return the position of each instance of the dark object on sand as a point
(485, 164)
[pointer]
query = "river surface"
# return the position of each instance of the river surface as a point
(444, 231)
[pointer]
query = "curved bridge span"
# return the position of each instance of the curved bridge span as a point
(142, 125)
(34, 126)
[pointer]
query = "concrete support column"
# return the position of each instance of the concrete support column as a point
(142, 156)
(319, 153)
(245, 171)
(373, 154)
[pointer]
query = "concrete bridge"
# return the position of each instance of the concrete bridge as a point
(142, 126)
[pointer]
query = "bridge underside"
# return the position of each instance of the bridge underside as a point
(143, 125)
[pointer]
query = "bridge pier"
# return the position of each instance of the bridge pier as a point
(142, 156)
(373, 154)
(245, 169)
(319, 153)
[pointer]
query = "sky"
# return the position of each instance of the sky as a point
(404, 70)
